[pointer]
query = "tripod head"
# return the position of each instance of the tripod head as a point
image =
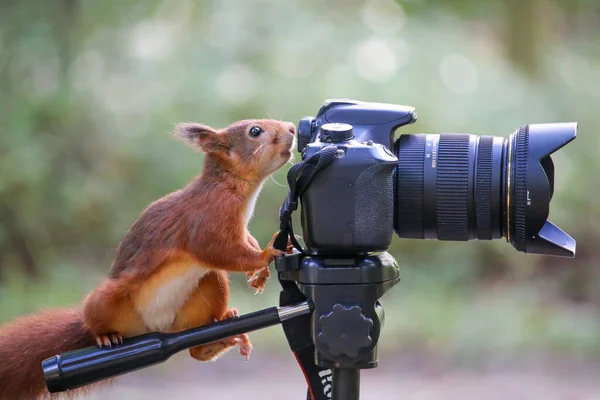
(340, 337)
(347, 317)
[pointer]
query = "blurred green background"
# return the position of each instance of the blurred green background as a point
(89, 91)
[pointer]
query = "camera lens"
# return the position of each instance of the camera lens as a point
(463, 187)
(449, 186)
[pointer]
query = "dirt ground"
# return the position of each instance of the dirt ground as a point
(276, 376)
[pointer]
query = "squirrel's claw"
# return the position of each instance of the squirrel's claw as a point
(109, 339)
(243, 340)
(231, 313)
(104, 341)
(259, 291)
(116, 338)
(259, 280)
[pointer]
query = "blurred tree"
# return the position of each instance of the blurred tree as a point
(525, 28)
(49, 133)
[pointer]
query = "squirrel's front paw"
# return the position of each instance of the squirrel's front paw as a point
(259, 280)
(109, 339)
(270, 252)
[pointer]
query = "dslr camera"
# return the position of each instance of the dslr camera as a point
(446, 186)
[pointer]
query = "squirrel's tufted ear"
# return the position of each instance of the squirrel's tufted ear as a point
(200, 136)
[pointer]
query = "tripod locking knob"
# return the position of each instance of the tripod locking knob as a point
(345, 331)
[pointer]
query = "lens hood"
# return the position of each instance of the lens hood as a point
(530, 186)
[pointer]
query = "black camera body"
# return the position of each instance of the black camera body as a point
(448, 186)
(343, 210)
(345, 204)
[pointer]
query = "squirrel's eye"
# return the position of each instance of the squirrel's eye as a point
(255, 131)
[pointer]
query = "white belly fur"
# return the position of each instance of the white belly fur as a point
(252, 203)
(159, 312)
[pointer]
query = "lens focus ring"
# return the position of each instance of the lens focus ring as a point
(453, 187)
(483, 188)
(519, 194)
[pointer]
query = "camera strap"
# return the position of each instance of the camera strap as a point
(297, 330)
(299, 178)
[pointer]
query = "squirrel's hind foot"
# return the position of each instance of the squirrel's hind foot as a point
(213, 351)
(109, 339)
(243, 341)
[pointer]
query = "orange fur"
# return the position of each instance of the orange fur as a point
(28, 340)
(170, 270)
(207, 304)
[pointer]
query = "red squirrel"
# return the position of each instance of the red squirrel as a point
(170, 272)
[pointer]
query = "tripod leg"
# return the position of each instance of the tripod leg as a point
(346, 384)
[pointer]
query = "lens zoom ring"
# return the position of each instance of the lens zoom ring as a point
(452, 187)
(483, 188)
(520, 192)
(410, 151)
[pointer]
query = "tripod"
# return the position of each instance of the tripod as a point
(330, 314)
(342, 333)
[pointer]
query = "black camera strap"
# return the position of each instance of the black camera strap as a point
(297, 330)
(299, 178)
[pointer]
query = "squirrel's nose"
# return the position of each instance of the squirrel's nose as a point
(291, 128)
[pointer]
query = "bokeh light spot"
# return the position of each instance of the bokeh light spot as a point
(151, 39)
(383, 16)
(375, 61)
(458, 73)
(237, 83)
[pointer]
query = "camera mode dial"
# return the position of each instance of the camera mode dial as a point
(336, 132)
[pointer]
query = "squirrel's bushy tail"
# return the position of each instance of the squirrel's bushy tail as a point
(27, 341)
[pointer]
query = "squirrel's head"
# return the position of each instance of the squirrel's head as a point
(251, 149)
